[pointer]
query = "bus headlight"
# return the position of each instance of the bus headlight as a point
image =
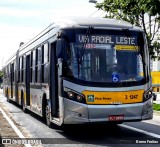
(75, 96)
(70, 94)
(79, 98)
(148, 94)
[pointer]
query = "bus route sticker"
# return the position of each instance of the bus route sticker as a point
(115, 78)
(90, 98)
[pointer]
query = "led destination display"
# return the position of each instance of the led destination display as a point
(107, 39)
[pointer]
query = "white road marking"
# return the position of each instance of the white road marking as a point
(14, 127)
(141, 131)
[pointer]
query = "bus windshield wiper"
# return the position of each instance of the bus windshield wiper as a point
(83, 48)
(84, 43)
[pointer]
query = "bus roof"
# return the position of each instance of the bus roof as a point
(93, 21)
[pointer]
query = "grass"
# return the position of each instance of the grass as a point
(156, 107)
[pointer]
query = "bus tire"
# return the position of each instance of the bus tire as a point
(47, 115)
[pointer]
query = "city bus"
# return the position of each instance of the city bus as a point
(83, 70)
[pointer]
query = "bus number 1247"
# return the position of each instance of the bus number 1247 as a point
(131, 96)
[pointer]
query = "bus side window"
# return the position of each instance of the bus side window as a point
(33, 65)
(13, 71)
(8, 71)
(36, 67)
(31, 68)
(10, 65)
(22, 69)
(45, 59)
(20, 76)
(38, 64)
(19, 70)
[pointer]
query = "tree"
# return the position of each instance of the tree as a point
(143, 13)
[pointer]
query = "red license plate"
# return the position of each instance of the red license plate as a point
(116, 117)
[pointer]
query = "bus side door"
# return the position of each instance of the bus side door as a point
(28, 76)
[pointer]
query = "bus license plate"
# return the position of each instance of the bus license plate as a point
(116, 117)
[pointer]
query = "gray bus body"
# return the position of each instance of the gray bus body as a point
(63, 87)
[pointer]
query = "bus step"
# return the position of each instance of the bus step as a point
(56, 121)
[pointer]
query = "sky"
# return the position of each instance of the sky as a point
(22, 20)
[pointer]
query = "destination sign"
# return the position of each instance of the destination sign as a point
(107, 39)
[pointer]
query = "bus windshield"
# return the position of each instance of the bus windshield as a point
(107, 58)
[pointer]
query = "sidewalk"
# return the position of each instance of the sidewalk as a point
(7, 132)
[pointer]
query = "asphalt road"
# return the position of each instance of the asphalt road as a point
(84, 135)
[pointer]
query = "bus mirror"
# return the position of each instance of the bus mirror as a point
(60, 48)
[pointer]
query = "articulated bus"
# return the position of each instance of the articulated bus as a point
(83, 70)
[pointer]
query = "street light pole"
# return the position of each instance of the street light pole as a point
(92, 1)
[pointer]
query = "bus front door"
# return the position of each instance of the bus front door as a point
(54, 82)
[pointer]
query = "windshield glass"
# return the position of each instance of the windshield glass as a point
(106, 58)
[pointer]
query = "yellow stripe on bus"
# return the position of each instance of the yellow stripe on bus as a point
(123, 97)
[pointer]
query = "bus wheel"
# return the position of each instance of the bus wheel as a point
(47, 114)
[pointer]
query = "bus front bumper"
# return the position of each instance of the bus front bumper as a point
(77, 113)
